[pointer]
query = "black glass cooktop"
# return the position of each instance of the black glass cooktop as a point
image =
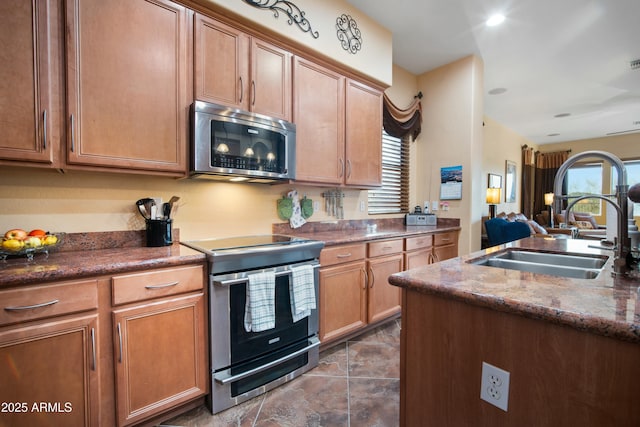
(233, 243)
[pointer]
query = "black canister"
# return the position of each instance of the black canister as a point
(159, 232)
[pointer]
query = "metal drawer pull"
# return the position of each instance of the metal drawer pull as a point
(225, 376)
(120, 341)
(243, 277)
(73, 137)
(166, 285)
(30, 307)
(44, 129)
(93, 349)
(347, 255)
(445, 239)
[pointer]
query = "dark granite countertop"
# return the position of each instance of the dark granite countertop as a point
(354, 231)
(94, 254)
(605, 305)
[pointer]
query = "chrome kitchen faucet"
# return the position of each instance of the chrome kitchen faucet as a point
(623, 245)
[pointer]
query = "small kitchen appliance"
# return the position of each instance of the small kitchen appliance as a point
(419, 218)
(245, 363)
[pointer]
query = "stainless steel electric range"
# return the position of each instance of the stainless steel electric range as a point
(245, 363)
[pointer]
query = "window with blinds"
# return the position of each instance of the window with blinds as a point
(393, 196)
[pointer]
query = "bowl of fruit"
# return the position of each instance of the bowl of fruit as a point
(19, 242)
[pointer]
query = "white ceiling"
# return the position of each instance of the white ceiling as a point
(552, 56)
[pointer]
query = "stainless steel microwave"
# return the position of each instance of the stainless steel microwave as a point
(237, 145)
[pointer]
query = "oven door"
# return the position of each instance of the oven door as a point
(231, 343)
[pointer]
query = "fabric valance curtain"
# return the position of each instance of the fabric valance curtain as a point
(400, 123)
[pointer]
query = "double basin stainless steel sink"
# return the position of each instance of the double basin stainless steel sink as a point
(583, 266)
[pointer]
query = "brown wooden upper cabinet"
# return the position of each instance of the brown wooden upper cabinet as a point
(240, 71)
(338, 128)
(25, 89)
(128, 84)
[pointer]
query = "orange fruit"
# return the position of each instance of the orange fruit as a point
(37, 233)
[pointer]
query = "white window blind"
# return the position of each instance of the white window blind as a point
(393, 196)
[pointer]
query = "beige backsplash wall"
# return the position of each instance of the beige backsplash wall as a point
(86, 201)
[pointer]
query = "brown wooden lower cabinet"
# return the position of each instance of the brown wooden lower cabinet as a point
(60, 354)
(49, 374)
(159, 356)
(385, 259)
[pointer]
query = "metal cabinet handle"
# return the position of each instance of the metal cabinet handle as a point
(348, 168)
(30, 307)
(225, 377)
(241, 89)
(44, 129)
(93, 349)
(166, 285)
(373, 277)
(366, 279)
(347, 255)
(73, 138)
(120, 341)
(341, 168)
(253, 87)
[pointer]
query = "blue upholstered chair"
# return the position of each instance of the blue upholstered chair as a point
(501, 231)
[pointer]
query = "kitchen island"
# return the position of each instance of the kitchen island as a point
(571, 346)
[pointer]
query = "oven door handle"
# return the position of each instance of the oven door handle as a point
(245, 278)
(225, 377)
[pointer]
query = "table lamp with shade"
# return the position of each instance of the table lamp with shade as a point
(548, 200)
(493, 198)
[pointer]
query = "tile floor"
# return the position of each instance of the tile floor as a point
(356, 384)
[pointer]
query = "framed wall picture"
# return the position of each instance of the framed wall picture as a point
(510, 182)
(495, 181)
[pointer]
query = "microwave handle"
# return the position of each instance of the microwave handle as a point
(280, 271)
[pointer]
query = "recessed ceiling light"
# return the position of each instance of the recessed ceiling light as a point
(562, 115)
(494, 20)
(497, 91)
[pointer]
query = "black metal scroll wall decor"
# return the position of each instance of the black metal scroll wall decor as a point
(349, 34)
(296, 16)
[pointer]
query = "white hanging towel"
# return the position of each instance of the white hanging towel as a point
(260, 309)
(302, 292)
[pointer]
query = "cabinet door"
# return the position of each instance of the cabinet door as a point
(418, 258)
(25, 110)
(270, 80)
(363, 136)
(318, 110)
(128, 85)
(442, 253)
(49, 373)
(221, 63)
(383, 299)
(342, 300)
(160, 356)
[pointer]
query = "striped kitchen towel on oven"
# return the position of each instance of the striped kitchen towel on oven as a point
(302, 291)
(260, 309)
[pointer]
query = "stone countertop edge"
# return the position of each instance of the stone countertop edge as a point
(72, 265)
(605, 305)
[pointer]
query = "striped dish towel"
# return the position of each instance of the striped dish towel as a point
(260, 309)
(302, 292)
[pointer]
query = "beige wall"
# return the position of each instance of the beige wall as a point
(375, 57)
(502, 144)
(452, 136)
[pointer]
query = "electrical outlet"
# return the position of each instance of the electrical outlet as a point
(316, 206)
(494, 386)
(434, 205)
(362, 206)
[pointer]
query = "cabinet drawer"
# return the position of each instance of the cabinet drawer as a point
(418, 242)
(42, 301)
(385, 247)
(343, 253)
(156, 283)
(442, 239)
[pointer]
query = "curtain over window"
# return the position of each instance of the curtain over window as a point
(401, 123)
(547, 164)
